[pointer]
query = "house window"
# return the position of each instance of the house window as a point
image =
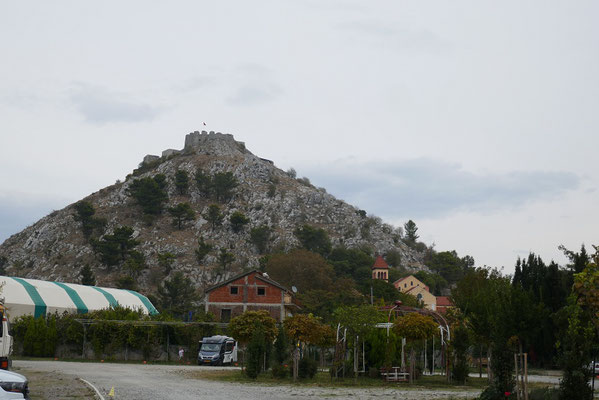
(234, 290)
(225, 315)
(411, 283)
(261, 291)
(405, 285)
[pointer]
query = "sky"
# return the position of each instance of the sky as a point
(476, 119)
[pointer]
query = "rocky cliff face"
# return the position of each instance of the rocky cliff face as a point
(55, 248)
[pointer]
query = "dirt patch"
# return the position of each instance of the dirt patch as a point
(54, 385)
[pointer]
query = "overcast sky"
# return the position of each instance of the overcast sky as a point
(478, 120)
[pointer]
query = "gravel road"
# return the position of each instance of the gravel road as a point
(145, 382)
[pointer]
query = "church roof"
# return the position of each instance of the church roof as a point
(380, 263)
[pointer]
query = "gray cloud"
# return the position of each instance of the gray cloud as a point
(254, 94)
(417, 40)
(428, 188)
(100, 106)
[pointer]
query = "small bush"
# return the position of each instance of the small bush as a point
(307, 368)
(279, 372)
(544, 394)
(373, 372)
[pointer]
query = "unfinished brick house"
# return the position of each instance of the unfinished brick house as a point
(250, 291)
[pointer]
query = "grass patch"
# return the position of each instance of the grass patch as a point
(323, 379)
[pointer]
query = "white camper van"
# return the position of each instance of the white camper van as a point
(217, 350)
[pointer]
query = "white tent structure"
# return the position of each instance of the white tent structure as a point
(38, 298)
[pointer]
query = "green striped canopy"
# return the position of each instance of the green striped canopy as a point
(38, 298)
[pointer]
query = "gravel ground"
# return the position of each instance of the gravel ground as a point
(137, 381)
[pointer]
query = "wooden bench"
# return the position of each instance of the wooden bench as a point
(394, 374)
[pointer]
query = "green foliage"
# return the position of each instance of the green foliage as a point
(305, 328)
(435, 282)
(460, 342)
(307, 368)
(414, 326)
(85, 212)
(393, 258)
(255, 352)
(135, 263)
(302, 269)
(182, 212)
(149, 193)
(223, 184)
(202, 250)
(410, 230)
(353, 263)
(182, 181)
(225, 258)
(279, 371)
(238, 221)
(359, 320)
(203, 182)
(177, 295)
(260, 237)
(281, 349)
(3, 264)
(314, 239)
(448, 265)
(87, 276)
(272, 190)
(380, 290)
(243, 326)
(125, 282)
(165, 261)
(114, 248)
(214, 216)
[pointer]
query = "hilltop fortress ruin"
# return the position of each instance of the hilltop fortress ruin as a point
(204, 142)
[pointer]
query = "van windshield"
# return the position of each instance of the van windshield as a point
(210, 347)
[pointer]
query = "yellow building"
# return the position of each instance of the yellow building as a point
(380, 269)
(412, 285)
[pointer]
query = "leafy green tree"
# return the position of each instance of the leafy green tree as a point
(314, 239)
(166, 260)
(182, 181)
(575, 346)
(243, 326)
(281, 347)
(393, 258)
(203, 182)
(85, 212)
(223, 184)
(87, 276)
(182, 212)
(214, 216)
(225, 258)
(460, 342)
(301, 268)
(3, 264)
(126, 282)
(202, 250)
(149, 193)
(135, 263)
(114, 248)
(238, 221)
(354, 263)
(415, 328)
(410, 230)
(260, 237)
(256, 350)
(177, 294)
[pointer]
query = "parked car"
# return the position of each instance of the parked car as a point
(13, 386)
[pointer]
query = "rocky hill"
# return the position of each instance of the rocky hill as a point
(55, 247)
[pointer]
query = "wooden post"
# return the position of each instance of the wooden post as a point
(525, 376)
(517, 376)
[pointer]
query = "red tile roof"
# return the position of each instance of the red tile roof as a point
(379, 263)
(444, 301)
